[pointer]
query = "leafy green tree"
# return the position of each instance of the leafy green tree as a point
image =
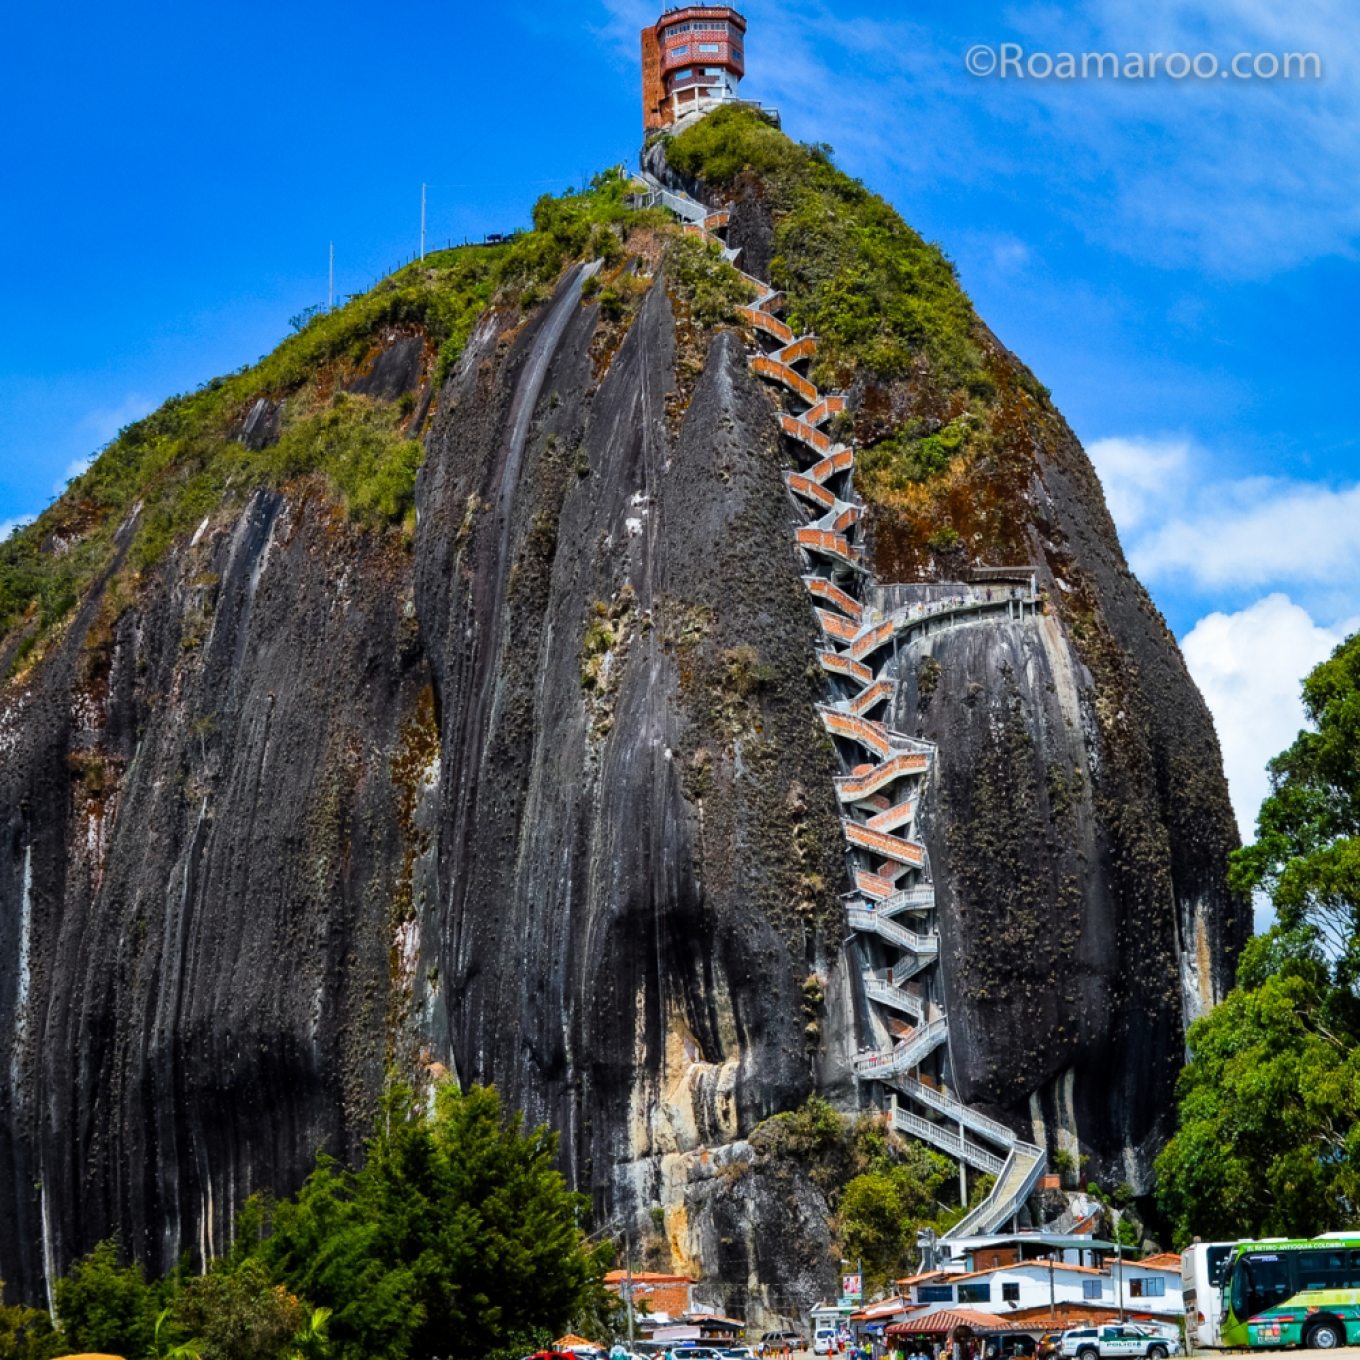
(103, 1305)
(26, 1333)
(1307, 850)
(456, 1230)
(1269, 1134)
(240, 1314)
(882, 1208)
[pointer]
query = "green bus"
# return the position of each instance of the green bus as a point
(1285, 1292)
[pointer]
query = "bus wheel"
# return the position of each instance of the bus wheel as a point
(1324, 1336)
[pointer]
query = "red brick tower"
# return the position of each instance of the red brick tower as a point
(692, 57)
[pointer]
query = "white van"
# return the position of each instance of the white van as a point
(824, 1341)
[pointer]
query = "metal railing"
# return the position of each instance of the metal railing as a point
(1014, 1183)
(921, 1044)
(950, 1141)
(861, 918)
(878, 988)
(957, 1110)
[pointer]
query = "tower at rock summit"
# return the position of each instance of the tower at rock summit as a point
(753, 703)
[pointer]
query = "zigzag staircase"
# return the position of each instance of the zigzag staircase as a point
(893, 902)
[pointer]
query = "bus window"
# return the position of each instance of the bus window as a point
(1216, 1259)
(1259, 1282)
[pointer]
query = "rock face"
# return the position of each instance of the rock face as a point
(541, 798)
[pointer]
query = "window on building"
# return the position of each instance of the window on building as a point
(710, 47)
(935, 1293)
(678, 52)
(1010, 1292)
(975, 1293)
(1147, 1287)
(683, 75)
(1090, 1289)
(736, 54)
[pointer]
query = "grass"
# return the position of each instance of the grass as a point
(879, 297)
(183, 462)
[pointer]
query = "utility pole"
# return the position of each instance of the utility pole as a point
(628, 1284)
(1119, 1259)
(330, 282)
(423, 187)
(1052, 1294)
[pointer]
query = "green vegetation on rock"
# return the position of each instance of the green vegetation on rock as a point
(876, 294)
(1269, 1133)
(946, 420)
(880, 1188)
(186, 461)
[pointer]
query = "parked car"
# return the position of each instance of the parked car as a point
(778, 1340)
(1049, 1345)
(1114, 1342)
(737, 1353)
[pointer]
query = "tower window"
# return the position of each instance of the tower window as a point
(680, 51)
(710, 47)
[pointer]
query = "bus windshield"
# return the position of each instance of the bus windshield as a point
(1259, 1282)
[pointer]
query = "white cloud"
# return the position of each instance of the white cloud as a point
(74, 469)
(1249, 666)
(104, 422)
(8, 526)
(1256, 533)
(1190, 530)
(1138, 474)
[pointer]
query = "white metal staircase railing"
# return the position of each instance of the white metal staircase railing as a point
(921, 1044)
(919, 898)
(1014, 1184)
(878, 988)
(861, 918)
(949, 1140)
(680, 204)
(956, 1110)
(860, 635)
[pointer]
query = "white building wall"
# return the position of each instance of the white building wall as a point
(1029, 1286)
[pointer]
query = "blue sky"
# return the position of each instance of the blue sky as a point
(1174, 258)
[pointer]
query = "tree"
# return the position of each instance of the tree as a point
(1269, 1135)
(455, 1231)
(25, 1333)
(105, 1306)
(240, 1314)
(881, 1210)
(1269, 1130)
(1307, 850)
